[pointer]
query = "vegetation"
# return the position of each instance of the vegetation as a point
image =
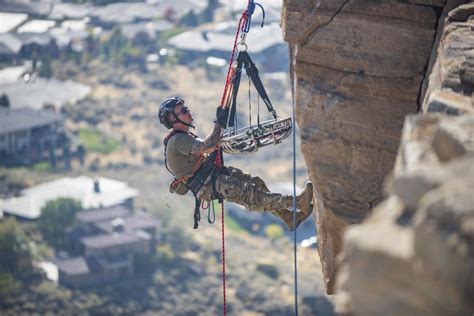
(269, 270)
(42, 166)
(274, 231)
(45, 69)
(4, 101)
(16, 259)
(56, 217)
(95, 141)
(12, 182)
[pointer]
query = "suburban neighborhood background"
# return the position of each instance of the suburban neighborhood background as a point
(87, 223)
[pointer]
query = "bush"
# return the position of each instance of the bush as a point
(15, 248)
(269, 270)
(95, 141)
(274, 231)
(8, 284)
(42, 166)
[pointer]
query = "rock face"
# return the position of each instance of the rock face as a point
(414, 255)
(416, 251)
(359, 71)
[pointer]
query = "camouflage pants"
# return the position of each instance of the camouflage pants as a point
(247, 190)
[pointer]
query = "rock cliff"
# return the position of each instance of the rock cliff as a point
(361, 68)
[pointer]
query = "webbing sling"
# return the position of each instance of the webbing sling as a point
(243, 59)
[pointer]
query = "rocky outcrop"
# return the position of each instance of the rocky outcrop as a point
(416, 250)
(359, 70)
(451, 79)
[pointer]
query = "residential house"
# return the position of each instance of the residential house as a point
(218, 42)
(91, 192)
(28, 135)
(110, 240)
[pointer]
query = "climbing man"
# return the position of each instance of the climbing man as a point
(191, 160)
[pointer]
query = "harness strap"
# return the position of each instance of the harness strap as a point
(243, 59)
(252, 72)
(197, 214)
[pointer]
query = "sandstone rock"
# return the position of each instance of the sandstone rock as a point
(451, 80)
(428, 141)
(415, 262)
(359, 66)
(449, 102)
(444, 238)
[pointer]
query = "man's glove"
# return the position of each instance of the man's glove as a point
(221, 116)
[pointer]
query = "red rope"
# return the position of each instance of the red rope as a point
(228, 77)
(219, 163)
(223, 262)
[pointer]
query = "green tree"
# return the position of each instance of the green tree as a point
(56, 217)
(15, 249)
(208, 13)
(190, 19)
(4, 101)
(46, 70)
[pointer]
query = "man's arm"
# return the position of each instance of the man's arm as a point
(207, 145)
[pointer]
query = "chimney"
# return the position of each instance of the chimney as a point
(96, 185)
(118, 225)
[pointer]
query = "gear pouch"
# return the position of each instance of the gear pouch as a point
(178, 187)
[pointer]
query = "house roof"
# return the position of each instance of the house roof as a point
(104, 214)
(151, 28)
(37, 92)
(132, 223)
(29, 205)
(12, 120)
(126, 12)
(32, 8)
(9, 44)
(36, 26)
(9, 21)
(222, 39)
(112, 240)
(62, 11)
(38, 38)
(78, 265)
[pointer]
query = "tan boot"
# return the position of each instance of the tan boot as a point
(287, 216)
(304, 200)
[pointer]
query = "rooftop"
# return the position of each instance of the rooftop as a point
(9, 44)
(104, 214)
(112, 192)
(36, 26)
(222, 39)
(131, 223)
(9, 21)
(62, 11)
(126, 12)
(77, 265)
(12, 120)
(111, 240)
(37, 92)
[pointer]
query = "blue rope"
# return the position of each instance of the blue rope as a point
(293, 130)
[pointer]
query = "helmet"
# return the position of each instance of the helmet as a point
(166, 108)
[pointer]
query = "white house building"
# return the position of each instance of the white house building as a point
(92, 193)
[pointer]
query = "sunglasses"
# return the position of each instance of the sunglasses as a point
(183, 110)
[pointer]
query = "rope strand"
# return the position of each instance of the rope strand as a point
(293, 127)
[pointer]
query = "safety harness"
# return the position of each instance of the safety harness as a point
(205, 167)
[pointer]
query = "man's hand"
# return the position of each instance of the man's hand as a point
(221, 116)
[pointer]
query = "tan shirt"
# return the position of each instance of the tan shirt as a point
(180, 162)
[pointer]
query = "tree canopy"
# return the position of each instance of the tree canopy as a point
(16, 260)
(56, 217)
